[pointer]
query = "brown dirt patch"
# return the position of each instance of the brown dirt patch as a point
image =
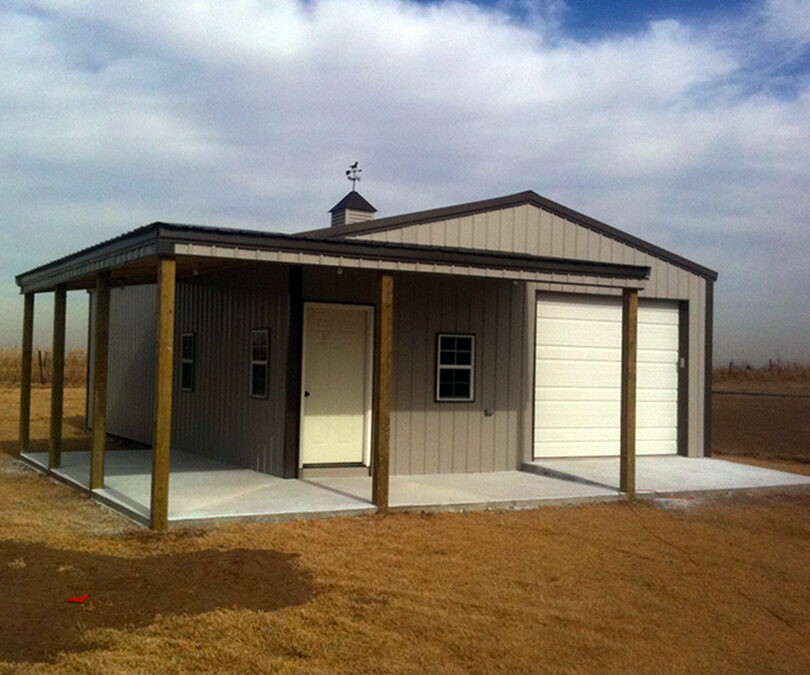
(761, 426)
(130, 593)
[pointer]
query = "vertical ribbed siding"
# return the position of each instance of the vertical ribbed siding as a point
(131, 370)
(456, 437)
(431, 437)
(219, 419)
(529, 229)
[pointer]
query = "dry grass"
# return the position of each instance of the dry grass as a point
(775, 372)
(720, 585)
(42, 370)
(761, 426)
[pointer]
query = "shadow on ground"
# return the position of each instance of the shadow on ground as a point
(37, 580)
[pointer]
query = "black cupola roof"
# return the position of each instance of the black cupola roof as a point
(354, 201)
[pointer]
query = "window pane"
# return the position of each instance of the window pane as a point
(463, 358)
(187, 346)
(455, 363)
(258, 345)
(187, 375)
(258, 380)
(447, 358)
(464, 343)
(454, 382)
(446, 390)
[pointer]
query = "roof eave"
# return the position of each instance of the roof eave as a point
(160, 239)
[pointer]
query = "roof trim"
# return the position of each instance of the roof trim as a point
(389, 251)
(526, 197)
(159, 239)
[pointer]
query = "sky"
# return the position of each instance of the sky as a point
(684, 123)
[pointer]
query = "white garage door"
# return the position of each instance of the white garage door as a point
(578, 377)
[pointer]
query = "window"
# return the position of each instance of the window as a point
(455, 367)
(187, 356)
(259, 347)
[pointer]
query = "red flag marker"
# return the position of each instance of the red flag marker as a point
(78, 598)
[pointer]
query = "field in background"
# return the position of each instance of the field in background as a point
(42, 368)
(771, 427)
(777, 377)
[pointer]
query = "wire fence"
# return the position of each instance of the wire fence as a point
(775, 370)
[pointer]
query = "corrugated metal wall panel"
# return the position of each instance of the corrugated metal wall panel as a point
(219, 419)
(431, 437)
(443, 437)
(131, 369)
(529, 229)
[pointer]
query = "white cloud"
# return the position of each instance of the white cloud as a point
(245, 113)
(788, 20)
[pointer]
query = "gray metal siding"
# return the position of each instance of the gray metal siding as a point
(444, 437)
(529, 229)
(131, 365)
(131, 373)
(219, 419)
(431, 437)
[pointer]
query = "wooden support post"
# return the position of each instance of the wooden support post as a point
(292, 410)
(25, 375)
(382, 380)
(58, 377)
(164, 369)
(627, 463)
(100, 351)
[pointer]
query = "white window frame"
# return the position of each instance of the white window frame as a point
(448, 366)
(260, 362)
(188, 361)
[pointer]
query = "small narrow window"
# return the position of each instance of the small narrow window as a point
(455, 367)
(259, 346)
(187, 356)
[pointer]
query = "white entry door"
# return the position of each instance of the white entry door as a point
(336, 384)
(578, 354)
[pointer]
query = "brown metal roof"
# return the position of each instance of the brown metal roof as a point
(159, 239)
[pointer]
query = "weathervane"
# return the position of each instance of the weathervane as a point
(353, 174)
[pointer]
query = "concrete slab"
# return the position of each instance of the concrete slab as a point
(668, 474)
(203, 491)
(500, 489)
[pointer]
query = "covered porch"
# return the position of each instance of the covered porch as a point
(162, 255)
(204, 491)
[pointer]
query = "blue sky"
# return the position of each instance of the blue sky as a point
(683, 123)
(584, 20)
